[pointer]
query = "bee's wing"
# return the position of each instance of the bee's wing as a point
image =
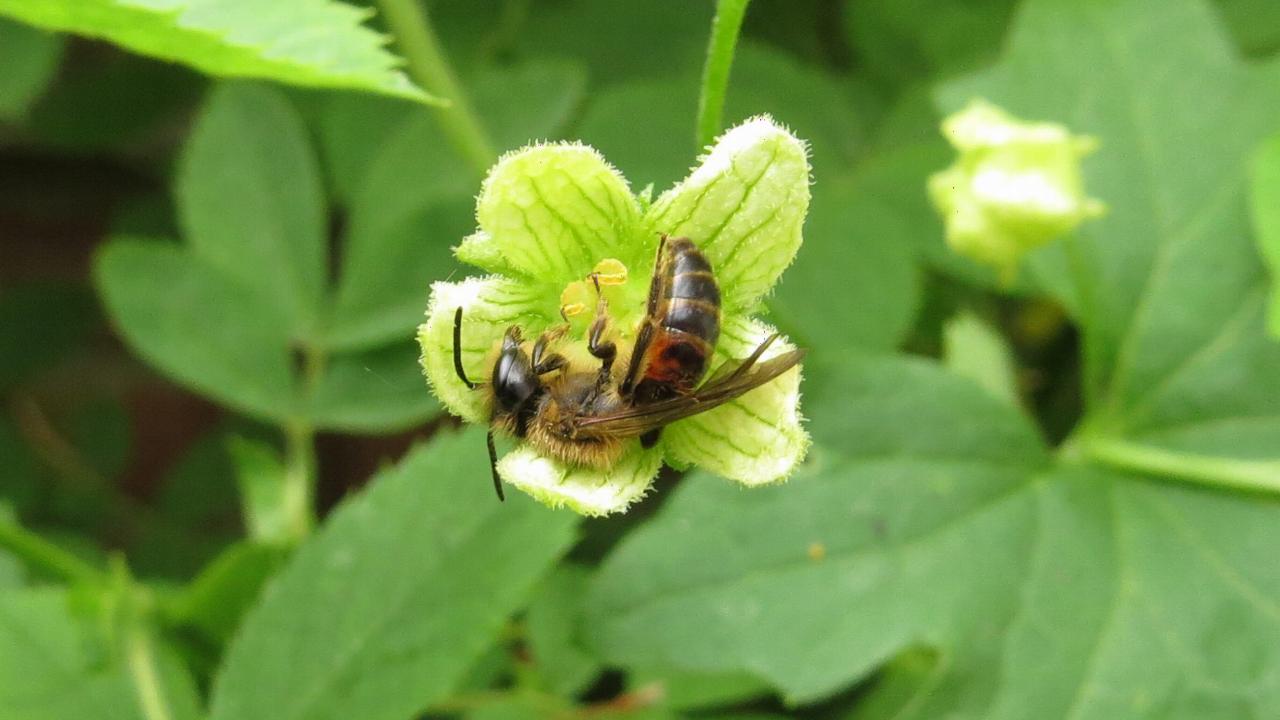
(729, 381)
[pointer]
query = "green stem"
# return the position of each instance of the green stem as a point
(299, 479)
(298, 493)
(1259, 475)
(715, 74)
(140, 655)
(43, 555)
(416, 39)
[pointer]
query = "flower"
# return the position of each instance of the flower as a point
(551, 214)
(1014, 187)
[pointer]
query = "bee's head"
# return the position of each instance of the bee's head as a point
(513, 381)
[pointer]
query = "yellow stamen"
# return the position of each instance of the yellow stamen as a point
(575, 299)
(610, 272)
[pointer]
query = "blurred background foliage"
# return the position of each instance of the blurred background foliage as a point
(152, 346)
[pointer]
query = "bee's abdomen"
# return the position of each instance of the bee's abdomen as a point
(691, 301)
(686, 323)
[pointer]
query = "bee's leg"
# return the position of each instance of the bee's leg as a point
(545, 340)
(551, 363)
(543, 362)
(650, 438)
(596, 344)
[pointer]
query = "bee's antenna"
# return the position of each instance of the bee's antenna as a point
(457, 360)
(493, 467)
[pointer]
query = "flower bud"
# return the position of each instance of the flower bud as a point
(1014, 187)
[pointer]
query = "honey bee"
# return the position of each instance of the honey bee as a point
(586, 417)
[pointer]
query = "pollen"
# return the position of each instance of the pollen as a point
(575, 299)
(610, 271)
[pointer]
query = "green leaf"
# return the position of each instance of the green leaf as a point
(977, 351)
(219, 597)
(260, 477)
(203, 328)
(1044, 589)
(1049, 592)
(517, 104)
(388, 605)
(1137, 278)
(1266, 220)
(1255, 24)
(622, 39)
(391, 260)
(117, 107)
(847, 221)
(410, 206)
(814, 105)
(530, 101)
(196, 513)
(251, 200)
(47, 670)
(29, 58)
(1145, 599)
(686, 691)
(552, 631)
(658, 149)
(373, 392)
(314, 43)
(899, 42)
(922, 528)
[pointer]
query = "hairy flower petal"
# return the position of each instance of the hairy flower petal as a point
(1015, 185)
(756, 439)
(744, 206)
(583, 490)
(489, 306)
(551, 212)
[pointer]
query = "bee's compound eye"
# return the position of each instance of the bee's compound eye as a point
(514, 381)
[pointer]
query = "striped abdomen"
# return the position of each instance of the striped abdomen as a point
(679, 333)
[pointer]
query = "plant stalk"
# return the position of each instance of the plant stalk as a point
(1256, 475)
(300, 468)
(140, 655)
(43, 555)
(715, 73)
(411, 26)
(299, 479)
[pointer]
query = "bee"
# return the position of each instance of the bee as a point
(587, 417)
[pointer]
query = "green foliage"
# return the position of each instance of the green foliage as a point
(1051, 500)
(316, 43)
(57, 665)
(904, 42)
(251, 204)
(1265, 197)
(29, 57)
(382, 613)
(1073, 578)
(973, 349)
(210, 331)
(927, 500)
(555, 634)
(252, 288)
(48, 670)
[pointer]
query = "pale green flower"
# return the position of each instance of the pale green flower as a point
(1014, 187)
(549, 215)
